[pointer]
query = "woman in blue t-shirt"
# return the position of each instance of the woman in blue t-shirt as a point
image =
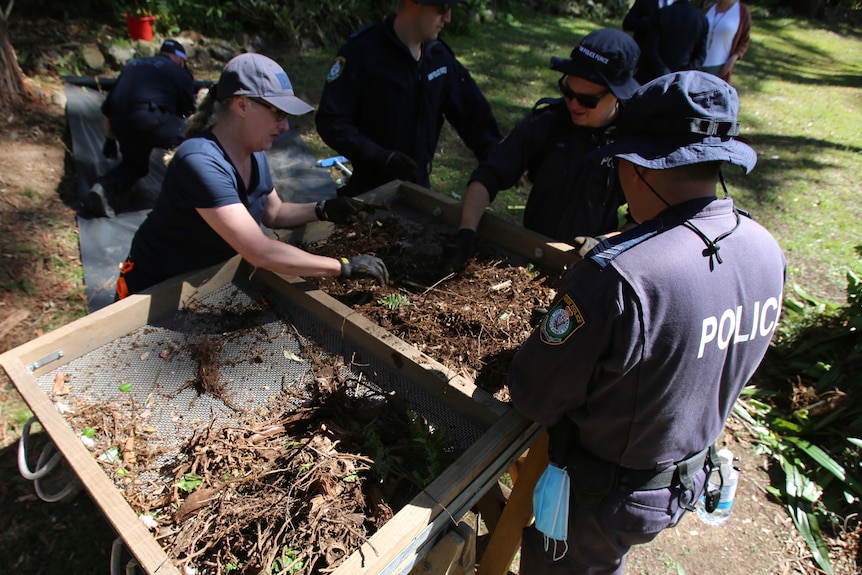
(218, 190)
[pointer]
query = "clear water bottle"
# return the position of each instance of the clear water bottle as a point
(728, 491)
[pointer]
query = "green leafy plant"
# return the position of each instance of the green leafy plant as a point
(815, 439)
(189, 482)
(289, 562)
(394, 301)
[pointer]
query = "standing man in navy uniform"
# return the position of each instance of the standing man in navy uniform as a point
(388, 91)
(571, 195)
(146, 109)
(653, 335)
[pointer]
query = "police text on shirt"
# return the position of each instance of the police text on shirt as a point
(731, 327)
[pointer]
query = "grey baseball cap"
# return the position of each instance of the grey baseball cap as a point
(680, 119)
(257, 76)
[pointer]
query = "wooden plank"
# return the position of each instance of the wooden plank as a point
(419, 546)
(453, 390)
(443, 558)
(102, 490)
(533, 246)
(121, 318)
(454, 554)
(439, 504)
(506, 539)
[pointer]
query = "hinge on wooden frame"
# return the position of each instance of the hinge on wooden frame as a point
(51, 357)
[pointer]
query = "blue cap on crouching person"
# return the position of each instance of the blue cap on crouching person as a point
(173, 47)
(607, 57)
(677, 120)
(257, 76)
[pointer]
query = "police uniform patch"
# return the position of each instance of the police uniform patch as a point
(337, 68)
(562, 321)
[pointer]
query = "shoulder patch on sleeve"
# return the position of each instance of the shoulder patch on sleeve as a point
(336, 69)
(562, 321)
(545, 103)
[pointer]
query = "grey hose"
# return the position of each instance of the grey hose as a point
(44, 465)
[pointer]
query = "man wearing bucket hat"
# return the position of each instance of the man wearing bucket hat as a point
(653, 335)
(571, 196)
(388, 91)
(145, 109)
(218, 190)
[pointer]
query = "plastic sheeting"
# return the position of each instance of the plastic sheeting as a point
(104, 242)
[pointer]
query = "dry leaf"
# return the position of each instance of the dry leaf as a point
(59, 380)
(292, 356)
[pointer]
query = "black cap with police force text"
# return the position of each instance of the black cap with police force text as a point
(680, 119)
(607, 57)
(173, 47)
(257, 76)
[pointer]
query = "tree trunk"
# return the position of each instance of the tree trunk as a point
(13, 90)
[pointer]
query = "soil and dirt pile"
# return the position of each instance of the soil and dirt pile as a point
(472, 321)
(295, 486)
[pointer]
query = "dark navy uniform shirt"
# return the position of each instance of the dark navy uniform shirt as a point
(158, 81)
(175, 238)
(571, 196)
(650, 341)
(378, 97)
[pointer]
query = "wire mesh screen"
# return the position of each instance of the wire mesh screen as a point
(261, 344)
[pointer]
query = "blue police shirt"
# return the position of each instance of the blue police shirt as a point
(378, 97)
(571, 196)
(175, 238)
(650, 340)
(156, 80)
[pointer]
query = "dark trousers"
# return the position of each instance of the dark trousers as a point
(137, 134)
(599, 539)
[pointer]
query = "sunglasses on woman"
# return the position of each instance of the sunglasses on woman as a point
(279, 115)
(443, 8)
(585, 100)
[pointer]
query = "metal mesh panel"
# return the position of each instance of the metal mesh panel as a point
(153, 363)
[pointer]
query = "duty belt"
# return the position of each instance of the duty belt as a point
(679, 473)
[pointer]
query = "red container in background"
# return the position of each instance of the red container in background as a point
(140, 27)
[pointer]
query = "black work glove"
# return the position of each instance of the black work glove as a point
(365, 265)
(396, 165)
(585, 244)
(458, 250)
(341, 210)
(109, 150)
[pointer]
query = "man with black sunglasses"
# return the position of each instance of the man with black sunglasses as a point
(388, 91)
(571, 197)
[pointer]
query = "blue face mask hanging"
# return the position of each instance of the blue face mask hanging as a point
(551, 507)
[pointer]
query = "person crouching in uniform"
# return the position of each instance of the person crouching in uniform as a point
(145, 109)
(643, 353)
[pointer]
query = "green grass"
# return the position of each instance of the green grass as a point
(800, 107)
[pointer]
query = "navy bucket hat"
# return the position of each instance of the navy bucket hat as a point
(680, 119)
(607, 57)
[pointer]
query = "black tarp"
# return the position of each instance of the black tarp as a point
(105, 242)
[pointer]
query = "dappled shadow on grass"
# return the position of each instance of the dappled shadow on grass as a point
(779, 157)
(791, 59)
